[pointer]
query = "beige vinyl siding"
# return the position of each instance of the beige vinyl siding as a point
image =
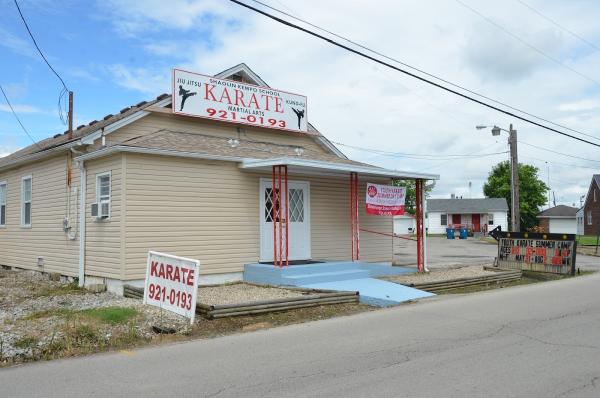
(330, 222)
(157, 121)
(103, 254)
(208, 210)
(20, 247)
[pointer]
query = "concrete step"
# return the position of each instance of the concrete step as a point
(321, 277)
(320, 267)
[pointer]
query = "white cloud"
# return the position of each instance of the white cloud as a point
(582, 105)
(131, 17)
(16, 44)
(353, 101)
(21, 108)
(140, 79)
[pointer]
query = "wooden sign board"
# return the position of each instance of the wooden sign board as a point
(555, 253)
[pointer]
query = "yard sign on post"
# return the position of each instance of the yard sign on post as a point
(172, 283)
(385, 200)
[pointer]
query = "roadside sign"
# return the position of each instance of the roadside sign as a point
(385, 200)
(555, 253)
(172, 283)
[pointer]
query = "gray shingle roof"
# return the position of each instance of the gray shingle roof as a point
(456, 206)
(559, 211)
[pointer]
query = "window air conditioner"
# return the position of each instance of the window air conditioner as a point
(100, 210)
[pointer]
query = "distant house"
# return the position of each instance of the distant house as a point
(404, 224)
(591, 208)
(560, 219)
(580, 221)
(479, 215)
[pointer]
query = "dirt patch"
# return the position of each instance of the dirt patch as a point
(442, 274)
(588, 250)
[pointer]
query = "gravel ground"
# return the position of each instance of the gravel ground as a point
(24, 293)
(442, 274)
(243, 293)
(35, 312)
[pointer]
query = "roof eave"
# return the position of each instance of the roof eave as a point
(339, 167)
(39, 155)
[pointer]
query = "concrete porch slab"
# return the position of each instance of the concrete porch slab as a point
(342, 276)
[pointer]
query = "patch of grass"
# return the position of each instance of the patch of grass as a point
(61, 312)
(61, 290)
(586, 240)
(26, 342)
(112, 315)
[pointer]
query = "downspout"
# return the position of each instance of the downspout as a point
(83, 191)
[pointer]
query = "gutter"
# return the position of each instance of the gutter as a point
(38, 155)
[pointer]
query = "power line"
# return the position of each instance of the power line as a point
(559, 153)
(17, 117)
(560, 163)
(417, 155)
(526, 43)
(65, 89)
(335, 43)
(422, 71)
(553, 22)
(38, 48)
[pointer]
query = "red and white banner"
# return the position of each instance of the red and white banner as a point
(385, 200)
(237, 102)
(172, 283)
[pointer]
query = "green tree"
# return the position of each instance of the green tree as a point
(532, 190)
(411, 193)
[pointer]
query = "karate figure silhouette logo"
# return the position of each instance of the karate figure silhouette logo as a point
(300, 115)
(184, 94)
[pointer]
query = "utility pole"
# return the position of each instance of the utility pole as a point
(515, 214)
(514, 181)
(70, 131)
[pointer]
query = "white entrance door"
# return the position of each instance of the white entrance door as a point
(299, 220)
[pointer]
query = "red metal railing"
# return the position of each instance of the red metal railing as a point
(280, 215)
(354, 224)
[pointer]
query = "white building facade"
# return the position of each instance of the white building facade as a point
(477, 215)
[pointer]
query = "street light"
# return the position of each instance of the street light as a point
(514, 167)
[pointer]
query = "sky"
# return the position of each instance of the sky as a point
(115, 53)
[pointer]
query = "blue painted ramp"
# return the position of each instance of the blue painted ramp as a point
(374, 291)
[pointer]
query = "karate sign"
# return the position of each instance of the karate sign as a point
(236, 102)
(172, 283)
(385, 200)
(540, 252)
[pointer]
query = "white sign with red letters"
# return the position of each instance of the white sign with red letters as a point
(237, 102)
(385, 200)
(172, 283)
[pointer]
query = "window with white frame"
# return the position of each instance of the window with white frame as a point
(444, 219)
(490, 219)
(26, 188)
(589, 217)
(103, 194)
(3, 191)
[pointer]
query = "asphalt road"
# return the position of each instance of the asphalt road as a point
(539, 340)
(442, 252)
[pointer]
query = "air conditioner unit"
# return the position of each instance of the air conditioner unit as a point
(100, 210)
